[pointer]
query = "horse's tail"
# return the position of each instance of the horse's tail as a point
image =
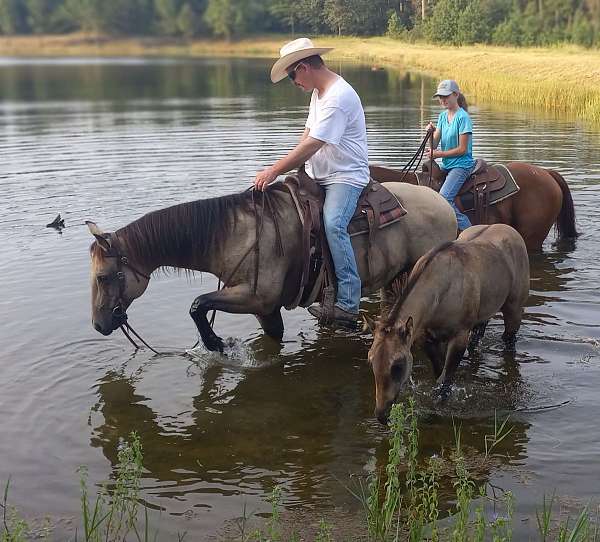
(565, 222)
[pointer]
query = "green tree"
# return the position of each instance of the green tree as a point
(167, 12)
(442, 26)
(582, 30)
(312, 15)
(508, 32)
(189, 23)
(12, 17)
(340, 15)
(127, 16)
(41, 15)
(233, 18)
(84, 14)
(474, 24)
(289, 12)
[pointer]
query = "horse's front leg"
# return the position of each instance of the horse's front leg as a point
(454, 353)
(237, 299)
(272, 323)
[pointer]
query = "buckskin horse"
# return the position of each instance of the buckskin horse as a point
(258, 259)
(544, 200)
(451, 293)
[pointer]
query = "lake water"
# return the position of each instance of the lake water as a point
(112, 139)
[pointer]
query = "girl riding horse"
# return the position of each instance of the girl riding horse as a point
(455, 133)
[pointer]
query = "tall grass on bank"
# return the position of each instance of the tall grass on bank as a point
(400, 504)
(405, 506)
(562, 79)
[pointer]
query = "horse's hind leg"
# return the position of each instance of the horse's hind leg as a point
(512, 313)
(272, 324)
(476, 335)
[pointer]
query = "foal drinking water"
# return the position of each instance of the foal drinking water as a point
(453, 290)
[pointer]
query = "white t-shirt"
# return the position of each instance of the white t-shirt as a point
(337, 118)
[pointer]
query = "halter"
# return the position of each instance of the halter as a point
(118, 311)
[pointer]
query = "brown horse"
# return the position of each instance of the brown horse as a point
(452, 292)
(544, 200)
(219, 236)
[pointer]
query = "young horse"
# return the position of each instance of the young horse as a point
(218, 236)
(452, 292)
(544, 200)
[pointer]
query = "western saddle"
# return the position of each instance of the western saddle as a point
(485, 186)
(377, 208)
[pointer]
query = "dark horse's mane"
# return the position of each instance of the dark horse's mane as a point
(184, 230)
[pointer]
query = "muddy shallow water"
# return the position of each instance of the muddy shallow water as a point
(110, 140)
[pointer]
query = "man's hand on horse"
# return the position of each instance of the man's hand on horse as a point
(264, 178)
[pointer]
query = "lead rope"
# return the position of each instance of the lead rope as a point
(430, 136)
(130, 329)
(416, 159)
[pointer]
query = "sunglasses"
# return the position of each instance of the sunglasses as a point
(292, 72)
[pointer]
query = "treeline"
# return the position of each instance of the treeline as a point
(504, 22)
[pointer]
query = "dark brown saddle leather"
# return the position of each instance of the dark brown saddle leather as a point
(483, 177)
(484, 180)
(377, 208)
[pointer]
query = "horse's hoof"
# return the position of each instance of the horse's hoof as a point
(215, 344)
(510, 343)
(442, 393)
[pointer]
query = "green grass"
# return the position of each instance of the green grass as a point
(400, 503)
(563, 79)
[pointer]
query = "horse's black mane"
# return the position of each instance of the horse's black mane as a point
(184, 230)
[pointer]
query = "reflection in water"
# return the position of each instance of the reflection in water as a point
(111, 139)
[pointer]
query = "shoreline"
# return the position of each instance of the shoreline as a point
(564, 80)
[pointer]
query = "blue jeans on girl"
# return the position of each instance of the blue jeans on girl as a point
(340, 204)
(454, 180)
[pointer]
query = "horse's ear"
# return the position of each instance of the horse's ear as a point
(368, 323)
(405, 330)
(102, 239)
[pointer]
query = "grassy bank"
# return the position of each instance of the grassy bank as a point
(401, 502)
(564, 79)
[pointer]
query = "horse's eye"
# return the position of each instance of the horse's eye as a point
(101, 279)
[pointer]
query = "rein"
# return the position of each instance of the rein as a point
(415, 161)
(266, 198)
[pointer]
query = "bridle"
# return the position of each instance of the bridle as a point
(119, 312)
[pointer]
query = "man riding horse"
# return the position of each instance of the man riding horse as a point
(334, 148)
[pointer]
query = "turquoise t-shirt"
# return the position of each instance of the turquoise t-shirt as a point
(461, 124)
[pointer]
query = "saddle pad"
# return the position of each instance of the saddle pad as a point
(509, 188)
(378, 198)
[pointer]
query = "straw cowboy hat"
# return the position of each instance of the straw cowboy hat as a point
(291, 53)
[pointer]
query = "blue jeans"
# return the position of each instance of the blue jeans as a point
(454, 180)
(340, 204)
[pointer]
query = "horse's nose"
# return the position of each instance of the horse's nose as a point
(100, 329)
